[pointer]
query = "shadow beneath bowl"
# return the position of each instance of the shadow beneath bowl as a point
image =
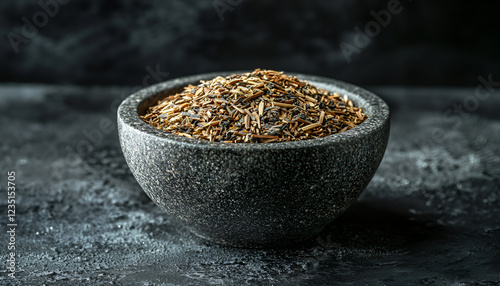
(378, 224)
(371, 236)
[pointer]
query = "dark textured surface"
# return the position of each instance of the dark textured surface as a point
(430, 216)
(253, 195)
(89, 42)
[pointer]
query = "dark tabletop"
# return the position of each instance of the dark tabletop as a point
(430, 216)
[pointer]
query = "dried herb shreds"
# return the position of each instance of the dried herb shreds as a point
(262, 106)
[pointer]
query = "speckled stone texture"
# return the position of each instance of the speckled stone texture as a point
(430, 215)
(253, 195)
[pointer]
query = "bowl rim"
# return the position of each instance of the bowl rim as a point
(377, 109)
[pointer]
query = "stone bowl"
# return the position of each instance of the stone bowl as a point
(253, 194)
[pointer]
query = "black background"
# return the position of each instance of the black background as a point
(437, 43)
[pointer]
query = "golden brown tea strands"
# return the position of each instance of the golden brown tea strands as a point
(262, 106)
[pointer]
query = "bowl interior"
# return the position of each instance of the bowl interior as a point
(138, 104)
(142, 107)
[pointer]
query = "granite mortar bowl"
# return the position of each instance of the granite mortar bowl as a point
(251, 194)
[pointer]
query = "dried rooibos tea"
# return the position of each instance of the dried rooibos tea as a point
(262, 106)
